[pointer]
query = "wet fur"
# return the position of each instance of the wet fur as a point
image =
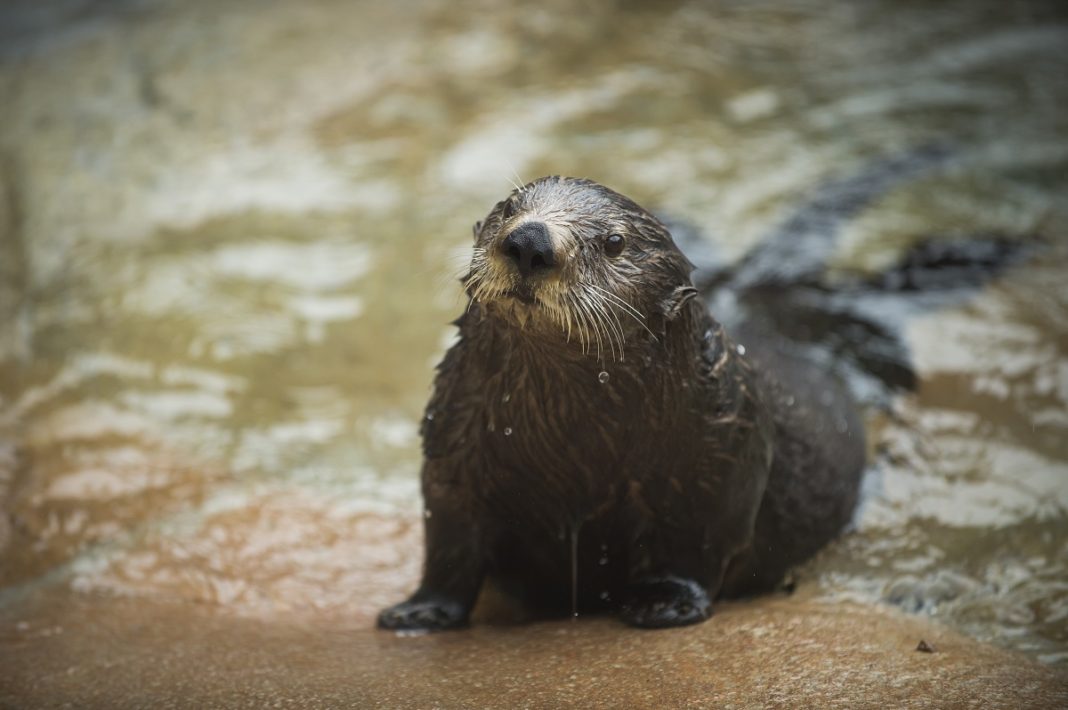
(696, 471)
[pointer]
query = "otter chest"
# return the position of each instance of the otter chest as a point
(562, 439)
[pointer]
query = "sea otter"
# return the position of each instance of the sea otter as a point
(597, 441)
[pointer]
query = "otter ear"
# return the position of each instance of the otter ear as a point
(672, 305)
(476, 229)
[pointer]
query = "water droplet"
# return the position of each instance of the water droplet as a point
(410, 633)
(430, 416)
(604, 548)
(507, 396)
(790, 401)
(604, 595)
(427, 514)
(740, 348)
(603, 561)
(602, 377)
(491, 427)
(508, 431)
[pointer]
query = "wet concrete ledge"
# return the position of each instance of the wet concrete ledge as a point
(767, 653)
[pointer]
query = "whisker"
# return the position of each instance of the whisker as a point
(627, 308)
(613, 330)
(590, 327)
(567, 314)
(581, 320)
(584, 330)
(561, 314)
(619, 331)
(617, 299)
(633, 312)
(608, 334)
(600, 332)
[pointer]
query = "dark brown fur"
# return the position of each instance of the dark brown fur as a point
(617, 451)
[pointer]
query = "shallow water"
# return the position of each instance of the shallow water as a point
(231, 235)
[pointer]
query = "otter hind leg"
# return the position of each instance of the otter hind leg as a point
(663, 602)
(674, 576)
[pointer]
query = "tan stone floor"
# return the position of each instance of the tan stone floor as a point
(771, 653)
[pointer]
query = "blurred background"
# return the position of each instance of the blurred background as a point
(230, 233)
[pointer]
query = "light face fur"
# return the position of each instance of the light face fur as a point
(594, 296)
(595, 440)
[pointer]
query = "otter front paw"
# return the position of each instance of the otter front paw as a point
(424, 614)
(662, 602)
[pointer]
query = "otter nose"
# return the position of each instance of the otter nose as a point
(530, 248)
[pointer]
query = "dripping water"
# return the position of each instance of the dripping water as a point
(574, 570)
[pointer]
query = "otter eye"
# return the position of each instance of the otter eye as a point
(613, 245)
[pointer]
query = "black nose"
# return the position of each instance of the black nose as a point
(530, 248)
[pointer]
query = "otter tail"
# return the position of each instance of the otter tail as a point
(856, 324)
(949, 268)
(781, 288)
(797, 248)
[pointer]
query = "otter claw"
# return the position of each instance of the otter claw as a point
(663, 602)
(423, 615)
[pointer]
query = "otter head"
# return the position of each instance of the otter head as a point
(572, 259)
